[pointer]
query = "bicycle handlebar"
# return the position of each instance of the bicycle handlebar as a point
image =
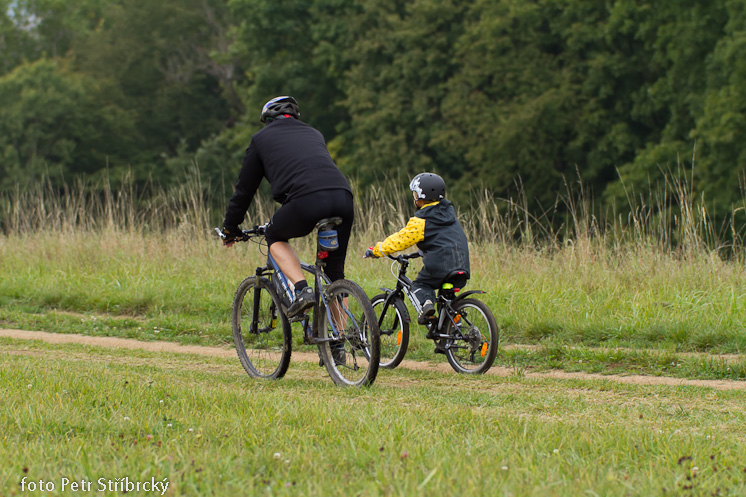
(405, 257)
(247, 234)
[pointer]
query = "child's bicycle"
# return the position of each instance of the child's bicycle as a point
(342, 322)
(463, 329)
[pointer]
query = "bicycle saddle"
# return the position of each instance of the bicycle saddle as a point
(328, 223)
(457, 278)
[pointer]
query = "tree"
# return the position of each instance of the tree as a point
(398, 60)
(680, 43)
(164, 58)
(53, 124)
(15, 43)
(720, 132)
(286, 43)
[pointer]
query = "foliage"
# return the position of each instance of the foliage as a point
(509, 95)
(53, 123)
(159, 56)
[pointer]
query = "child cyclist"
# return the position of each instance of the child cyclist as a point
(438, 235)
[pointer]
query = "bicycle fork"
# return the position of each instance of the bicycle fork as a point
(255, 309)
(255, 318)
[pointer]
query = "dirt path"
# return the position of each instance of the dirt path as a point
(127, 343)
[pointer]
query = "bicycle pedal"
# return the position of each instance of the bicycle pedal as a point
(440, 346)
(297, 318)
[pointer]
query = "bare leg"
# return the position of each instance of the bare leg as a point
(338, 313)
(339, 317)
(287, 259)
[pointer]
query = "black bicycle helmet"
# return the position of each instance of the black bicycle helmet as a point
(278, 106)
(428, 187)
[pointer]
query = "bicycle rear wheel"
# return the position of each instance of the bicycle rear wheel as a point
(473, 342)
(351, 359)
(264, 346)
(394, 330)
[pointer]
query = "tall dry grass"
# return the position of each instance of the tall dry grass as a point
(668, 218)
(96, 206)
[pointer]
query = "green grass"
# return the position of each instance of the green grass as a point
(83, 412)
(589, 310)
(623, 301)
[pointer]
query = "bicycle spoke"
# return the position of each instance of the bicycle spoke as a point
(394, 329)
(474, 337)
(350, 315)
(261, 336)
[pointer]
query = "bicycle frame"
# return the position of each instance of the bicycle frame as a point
(404, 287)
(348, 343)
(272, 269)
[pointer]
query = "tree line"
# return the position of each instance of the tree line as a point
(505, 95)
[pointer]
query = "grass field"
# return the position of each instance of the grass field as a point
(626, 300)
(637, 312)
(89, 413)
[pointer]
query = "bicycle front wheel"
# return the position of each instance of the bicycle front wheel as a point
(261, 331)
(394, 329)
(472, 344)
(351, 350)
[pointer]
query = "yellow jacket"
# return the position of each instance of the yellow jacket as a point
(412, 233)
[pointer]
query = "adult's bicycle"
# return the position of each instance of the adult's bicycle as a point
(342, 323)
(464, 328)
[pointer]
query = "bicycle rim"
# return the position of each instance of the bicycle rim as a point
(264, 350)
(473, 344)
(352, 358)
(394, 330)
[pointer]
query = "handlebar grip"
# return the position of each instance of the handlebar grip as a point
(245, 234)
(404, 257)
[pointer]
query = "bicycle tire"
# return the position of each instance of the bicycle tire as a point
(356, 364)
(467, 349)
(394, 329)
(266, 353)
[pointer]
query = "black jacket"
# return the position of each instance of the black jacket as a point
(438, 234)
(445, 247)
(293, 157)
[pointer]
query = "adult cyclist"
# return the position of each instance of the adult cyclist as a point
(294, 159)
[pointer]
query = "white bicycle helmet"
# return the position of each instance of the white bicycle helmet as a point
(278, 106)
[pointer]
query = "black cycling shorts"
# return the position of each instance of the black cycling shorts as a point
(298, 218)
